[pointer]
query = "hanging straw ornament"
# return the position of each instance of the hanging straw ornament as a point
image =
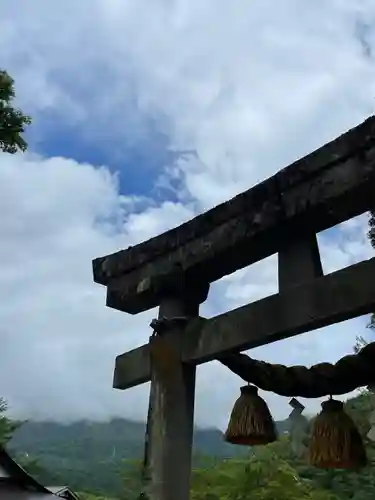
(335, 441)
(251, 422)
(298, 428)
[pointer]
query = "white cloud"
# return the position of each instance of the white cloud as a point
(249, 87)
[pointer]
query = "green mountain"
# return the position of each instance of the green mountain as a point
(103, 458)
(90, 455)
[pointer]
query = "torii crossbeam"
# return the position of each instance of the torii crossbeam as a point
(281, 215)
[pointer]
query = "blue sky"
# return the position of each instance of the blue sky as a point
(144, 115)
(139, 164)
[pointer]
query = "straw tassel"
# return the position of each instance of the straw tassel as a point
(250, 422)
(335, 441)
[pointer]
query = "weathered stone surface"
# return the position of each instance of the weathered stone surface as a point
(299, 261)
(132, 368)
(337, 151)
(336, 297)
(171, 415)
(335, 195)
(323, 189)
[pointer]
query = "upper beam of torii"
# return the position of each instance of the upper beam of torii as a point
(281, 215)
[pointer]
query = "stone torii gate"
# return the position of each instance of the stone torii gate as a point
(281, 215)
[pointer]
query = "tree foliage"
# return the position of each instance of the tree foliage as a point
(7, 429)
(274, 472)
(263, 475)
(12, 121)
(7, 426)
(82, 455)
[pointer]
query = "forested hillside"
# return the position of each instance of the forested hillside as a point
(91, 455)
(103, 460)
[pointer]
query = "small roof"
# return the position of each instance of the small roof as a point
(11, 472)
(13, 493)
(57, 489)
(3, 472)
(17, 484)
(63, 491)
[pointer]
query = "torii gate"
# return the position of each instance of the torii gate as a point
(281, 215)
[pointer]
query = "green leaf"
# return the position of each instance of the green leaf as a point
(12, 121)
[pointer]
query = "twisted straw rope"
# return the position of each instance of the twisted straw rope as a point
(323, 379)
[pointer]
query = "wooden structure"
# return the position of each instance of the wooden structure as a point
(17, 484)
(281, 215)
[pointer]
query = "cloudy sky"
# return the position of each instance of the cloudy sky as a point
(145, 114)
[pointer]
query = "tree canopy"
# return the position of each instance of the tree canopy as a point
(12, 121)
(7, 426)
